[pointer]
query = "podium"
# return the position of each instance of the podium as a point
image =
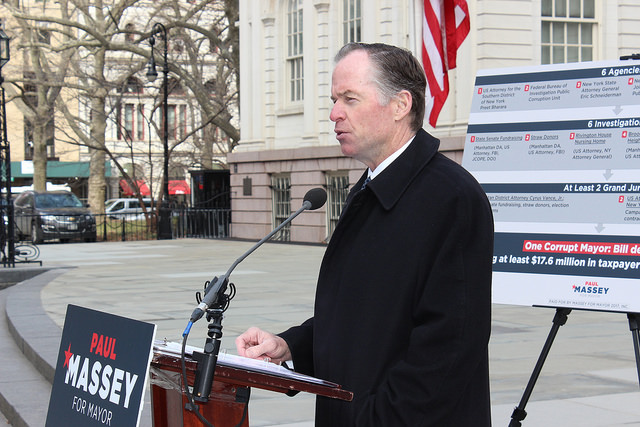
(229, 397)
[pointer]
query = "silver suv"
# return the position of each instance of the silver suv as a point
(129, 209)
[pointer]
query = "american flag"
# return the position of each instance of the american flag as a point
(445, 25)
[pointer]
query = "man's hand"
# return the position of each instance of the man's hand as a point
(258, 344)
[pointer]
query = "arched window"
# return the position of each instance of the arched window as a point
(210, 85)
(131, 85)
(175, 88)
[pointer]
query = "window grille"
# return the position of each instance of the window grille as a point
(337, 190)
(568, 28)
(281, 198)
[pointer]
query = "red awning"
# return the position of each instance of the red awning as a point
(179, 187)
(128, 191)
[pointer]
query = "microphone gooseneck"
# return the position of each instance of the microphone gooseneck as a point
(313, 199)
(214, 303)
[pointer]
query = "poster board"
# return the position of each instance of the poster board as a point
(557, 150)
(101, 370)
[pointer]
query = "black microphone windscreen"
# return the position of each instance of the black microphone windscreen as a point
(317, 197)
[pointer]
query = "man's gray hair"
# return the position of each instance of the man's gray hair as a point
(394, 70)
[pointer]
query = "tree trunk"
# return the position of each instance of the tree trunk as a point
(39, 153)
(97, 181)
(206, 145)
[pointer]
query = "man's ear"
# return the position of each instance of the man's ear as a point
(402, 105)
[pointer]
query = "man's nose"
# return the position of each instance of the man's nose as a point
(336, 113)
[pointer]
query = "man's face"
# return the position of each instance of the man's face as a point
(363, 126)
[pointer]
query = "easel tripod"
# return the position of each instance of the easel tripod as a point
(560, 319)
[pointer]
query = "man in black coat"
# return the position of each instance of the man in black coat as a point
(402, 314)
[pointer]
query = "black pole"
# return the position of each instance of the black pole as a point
(634, 326)
(8, 229)
(519, 412)
(164, 226)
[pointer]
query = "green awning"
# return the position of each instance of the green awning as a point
(57, 169)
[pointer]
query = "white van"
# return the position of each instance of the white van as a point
(129, 209)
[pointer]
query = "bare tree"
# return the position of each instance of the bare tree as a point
(102, 51)
(38, 89)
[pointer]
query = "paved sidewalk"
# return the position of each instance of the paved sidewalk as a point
(589, 379)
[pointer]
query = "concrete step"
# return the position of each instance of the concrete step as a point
(24, 391)
(29, 344)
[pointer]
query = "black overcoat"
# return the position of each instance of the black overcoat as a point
(403, 302)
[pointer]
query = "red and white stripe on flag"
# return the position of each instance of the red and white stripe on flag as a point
(445, 25)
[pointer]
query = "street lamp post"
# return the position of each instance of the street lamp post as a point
(8, 257)
(164, 226)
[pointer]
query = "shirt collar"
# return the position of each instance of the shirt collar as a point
(386, 162)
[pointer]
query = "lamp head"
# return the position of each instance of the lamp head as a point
(152, 73)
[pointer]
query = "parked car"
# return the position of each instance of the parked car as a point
(129, 209)
(53, 215)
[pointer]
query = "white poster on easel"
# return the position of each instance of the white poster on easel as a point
(557, 150)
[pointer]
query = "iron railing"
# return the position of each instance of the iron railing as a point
(185, 222)
(201, 223)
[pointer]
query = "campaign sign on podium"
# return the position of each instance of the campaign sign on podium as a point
(101, 370)
(557, 150)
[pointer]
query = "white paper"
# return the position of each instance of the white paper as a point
(239, 362)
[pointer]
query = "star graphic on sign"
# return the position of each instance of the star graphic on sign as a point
(67, 356)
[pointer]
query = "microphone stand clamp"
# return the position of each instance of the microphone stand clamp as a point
(208, 359)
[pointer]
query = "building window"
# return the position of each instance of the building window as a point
(281, 198)
(140, 122)
(129, 35)
(51, 149)
(171, 119)
(28, 140)
(352, 21)
(128, 121)
(171, 111)
(337, 190)
(182, 122)
(294, 51)
(131, 85)
(178, 45)
(176, 172)
(49, 139)
(31, 99)
(175, 88)
(43, 36)
(568, 27)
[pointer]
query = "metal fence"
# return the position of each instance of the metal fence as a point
(125, 227)
(30, 230)
(202, 223)
(185, 222)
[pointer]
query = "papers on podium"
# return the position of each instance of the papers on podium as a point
(239, 362)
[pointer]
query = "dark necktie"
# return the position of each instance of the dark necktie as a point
(364, 184)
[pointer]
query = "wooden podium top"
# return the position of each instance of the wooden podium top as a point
(248, 373)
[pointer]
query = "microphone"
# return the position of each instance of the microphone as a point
(313, 199)
(214, 296)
